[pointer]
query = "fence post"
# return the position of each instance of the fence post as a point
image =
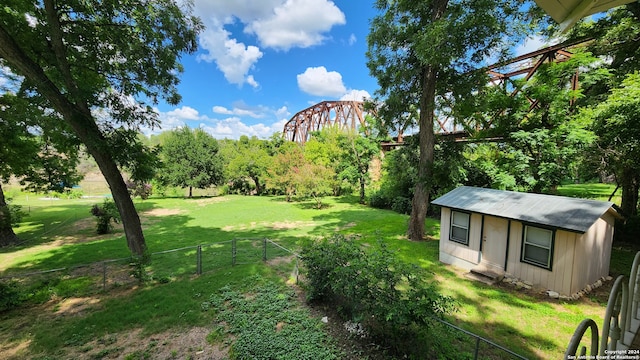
(104, 275)
(475, 355)
(233, 252)
(264, 249)
(199, 260)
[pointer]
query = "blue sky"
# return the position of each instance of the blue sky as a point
(261, 61)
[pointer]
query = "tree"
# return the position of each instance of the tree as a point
(314, 181)
(618, 128)
(191, 160)
(325, 149)
(42, 157)
(358, 152)
(425, 51)
(91, 62)
(248, 158)
(542, 141)
(286, 162)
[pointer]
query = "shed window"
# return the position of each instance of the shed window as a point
(537, 246)
(459, 227)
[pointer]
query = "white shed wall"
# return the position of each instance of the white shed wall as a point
(455, 253)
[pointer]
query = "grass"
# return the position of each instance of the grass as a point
(533, 326)
(595, 191)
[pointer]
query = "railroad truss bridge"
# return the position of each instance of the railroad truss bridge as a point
(351, 114)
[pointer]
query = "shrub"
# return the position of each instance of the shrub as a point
(13, 215)
(139, 188)
(378, 200)
(106, 213)
(401, 204)
(10, 296)
(74, 194)
(390, 298)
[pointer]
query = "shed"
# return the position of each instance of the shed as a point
(558, 243)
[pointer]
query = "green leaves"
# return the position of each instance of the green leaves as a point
(190, 159)
(387, 296)
(268, 324)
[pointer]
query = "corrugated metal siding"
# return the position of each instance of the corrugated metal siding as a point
(560, 212)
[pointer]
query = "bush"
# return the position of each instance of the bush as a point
(105, 214)
(627, 230)
(13, 215)
(401, 205)
(139, 188)
(74, 194)
(391, 299)
(10, 296)
(378, 200)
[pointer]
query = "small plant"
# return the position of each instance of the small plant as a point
(139, 188)
(13, 215)
(107, 213)
(10, 296)
(139, 267)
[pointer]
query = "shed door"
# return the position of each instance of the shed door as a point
(494, 242)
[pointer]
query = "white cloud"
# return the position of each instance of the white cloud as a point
(233, 128)
(283, 112)
(251, 81)
(185, 112)
(233, 58)
(529, 45)
(279, 24)
(297, 23)
(230, 127)
(320, 82)
(238, 111)
(352, 39)
(356, 95)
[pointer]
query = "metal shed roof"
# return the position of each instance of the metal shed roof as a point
(561, 212)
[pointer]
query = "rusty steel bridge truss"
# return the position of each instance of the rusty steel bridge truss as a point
(344, 114)
(350, 114)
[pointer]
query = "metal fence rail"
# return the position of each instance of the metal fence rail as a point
(189, 260)
(198, 260)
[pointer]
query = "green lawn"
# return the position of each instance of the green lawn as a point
(59, 234)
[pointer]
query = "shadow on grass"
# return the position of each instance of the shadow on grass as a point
(155, 308)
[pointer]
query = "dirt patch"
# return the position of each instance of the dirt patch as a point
(163, 212)
(75, 306)
(213, 200)
(175, 344)
(282, 225)
(346, 226)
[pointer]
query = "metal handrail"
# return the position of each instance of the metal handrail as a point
(622, 309)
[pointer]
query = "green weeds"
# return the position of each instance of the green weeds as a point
(266, 322)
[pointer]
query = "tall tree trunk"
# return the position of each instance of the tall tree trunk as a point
(363, 182)
(630, 184)
(77, 114)
(427, 138)
(256, 180)
(7, 236)
(190, 192)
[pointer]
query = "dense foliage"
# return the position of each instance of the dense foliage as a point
(98, 67)
(190, 159)
(389, 298)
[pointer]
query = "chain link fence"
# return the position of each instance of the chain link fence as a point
(164, 266)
